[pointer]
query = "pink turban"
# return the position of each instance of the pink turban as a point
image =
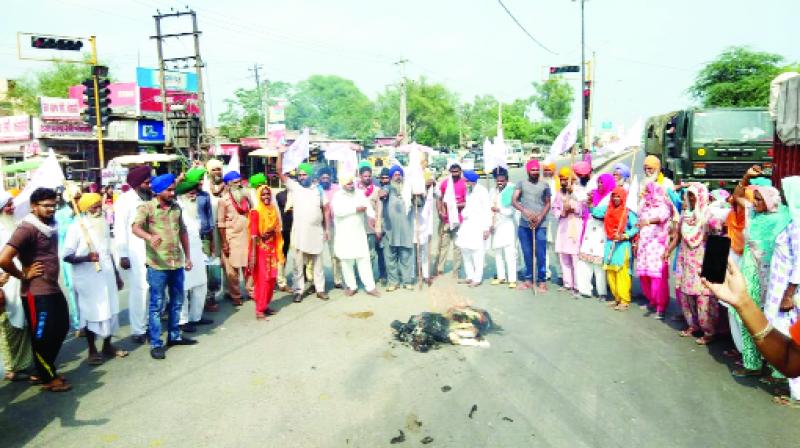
(582, 168)
(532, 164)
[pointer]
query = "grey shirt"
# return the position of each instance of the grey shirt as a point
(532, 197)
(398, 222)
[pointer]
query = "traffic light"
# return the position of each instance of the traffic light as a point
(50, 43)
(103, 100)
(587, 96)
(565, 69)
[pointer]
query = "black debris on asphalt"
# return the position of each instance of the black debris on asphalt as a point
(473, 410)
(426, 440)
(446, 388)
(399, 439)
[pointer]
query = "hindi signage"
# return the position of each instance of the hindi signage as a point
(60, 108)
(15, 128)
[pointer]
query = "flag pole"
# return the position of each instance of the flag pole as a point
(82, 225)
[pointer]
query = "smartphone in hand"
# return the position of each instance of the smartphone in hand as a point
(715, 260)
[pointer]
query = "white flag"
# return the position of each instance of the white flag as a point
(488, 155)
(566, 138)
(414, 177)
(48, 175)
(233, 164)
(297, 152)
(344, 154)
(450, 203)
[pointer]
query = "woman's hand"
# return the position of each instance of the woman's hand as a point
(733, 290)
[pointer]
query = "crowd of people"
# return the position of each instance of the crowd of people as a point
(182, 240)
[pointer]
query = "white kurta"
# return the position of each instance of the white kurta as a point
(505, 229)
(350, 239)
(191, 219)
(425, 219)
(477, 215)
(16, 313)
(307, 225)
(98, 301)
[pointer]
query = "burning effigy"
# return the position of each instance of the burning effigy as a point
(460, 325)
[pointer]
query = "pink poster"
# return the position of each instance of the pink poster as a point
(122, 96)
(150, 100)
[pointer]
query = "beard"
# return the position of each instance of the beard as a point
(306, 183)
(7, 222)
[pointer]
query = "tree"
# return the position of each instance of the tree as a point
(332, 105)
(432, 113)
(244, 114)
(739, 77)
(54, 81)
(554, 98)
(479, 118)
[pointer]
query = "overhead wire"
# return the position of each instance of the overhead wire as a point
(525, 30)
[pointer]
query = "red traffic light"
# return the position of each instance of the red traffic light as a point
(553, 70)
(50, 43)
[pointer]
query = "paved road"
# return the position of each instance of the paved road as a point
(561, 372)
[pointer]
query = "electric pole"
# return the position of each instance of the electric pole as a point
(261, 97)
(197, 60)
(403, 109)
(584, 90)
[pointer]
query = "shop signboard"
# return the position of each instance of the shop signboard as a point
(65, 109)
(173, 80)
(151, 131)
(15, 128)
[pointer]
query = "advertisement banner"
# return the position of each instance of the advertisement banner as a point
(150, 100)
(59, 109)
(151, 131)
(15, 128)
(122, 96)
(277, 112)
(55, 130)
(277, 134)
(173, 80)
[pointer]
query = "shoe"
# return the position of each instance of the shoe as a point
(182, 341)
(188, 328)
(139, 338)
(512, 285)
(158, 353)
(322, 296)
(349, 292)
(391, 288)
(204, 321)
(374, 293)
(338, 286)
(297, 298)
(211, 308)
(409, 287)
(496, 282)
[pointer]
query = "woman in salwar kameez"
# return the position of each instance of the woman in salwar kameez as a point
(784, 276)
(769, 219)
(593, 243)
(620, 227)
(700, 308)
(655, 214)
(265, 251)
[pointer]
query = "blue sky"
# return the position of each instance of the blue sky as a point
(648, 51)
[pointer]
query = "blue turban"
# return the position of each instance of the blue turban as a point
(623, 170)
(395, 169)
(162, 182)
(471, 176)
(231, 176)
(761, 182)
(500, 171)
(323, 171)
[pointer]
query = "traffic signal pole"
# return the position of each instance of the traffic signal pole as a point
(98, 124)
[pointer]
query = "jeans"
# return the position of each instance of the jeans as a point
(525, 235)
(172, 280)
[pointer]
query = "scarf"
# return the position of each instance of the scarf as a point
(616, 215)
(764, 230)
(693, 222)
(47, 230)
(453, 218)
(771, 196)
(268, 220)
(791, 189)
(605, 185)
(242, 206)
(368, 191)
(506, 195)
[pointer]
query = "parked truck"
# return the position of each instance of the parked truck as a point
(715, 146)
(785, 110)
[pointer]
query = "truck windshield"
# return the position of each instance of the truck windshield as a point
(732, 125)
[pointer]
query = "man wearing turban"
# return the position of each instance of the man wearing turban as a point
(328, 190)
(532, 200)
(452, 197)
(232, 212)
(398, 244)
(196, 207)
(504, 232)
(475, 229)
(159, 222)
(309, 228)
(365, 185)
(88, 245)
(551, 222)
(131, 250)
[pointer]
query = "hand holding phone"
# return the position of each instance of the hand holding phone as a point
(715, 259)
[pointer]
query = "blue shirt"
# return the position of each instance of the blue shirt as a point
(622, 250)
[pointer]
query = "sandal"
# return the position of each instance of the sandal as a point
(785, 400)
(622, 307)
(16, 376)
(57, 385)
(689, 332)
(704, 340)
(772, 381)
(95, 359)
(116, 354)
(743, 373)
(261, 316)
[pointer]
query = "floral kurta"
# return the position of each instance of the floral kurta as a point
(653, 240)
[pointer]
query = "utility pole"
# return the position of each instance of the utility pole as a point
(403, 109)
(261, 96)
(198, 65)
(583, 74)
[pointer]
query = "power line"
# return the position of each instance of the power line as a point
(523, 28)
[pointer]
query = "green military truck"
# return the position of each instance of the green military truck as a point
(713, 146)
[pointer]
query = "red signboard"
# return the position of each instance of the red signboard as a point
(150, 100)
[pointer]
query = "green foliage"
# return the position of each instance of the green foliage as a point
(432, 113)
(479, 118)
(53, 82)
(739, 77)
(332, 105)
(242, 116)
(554, 98)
